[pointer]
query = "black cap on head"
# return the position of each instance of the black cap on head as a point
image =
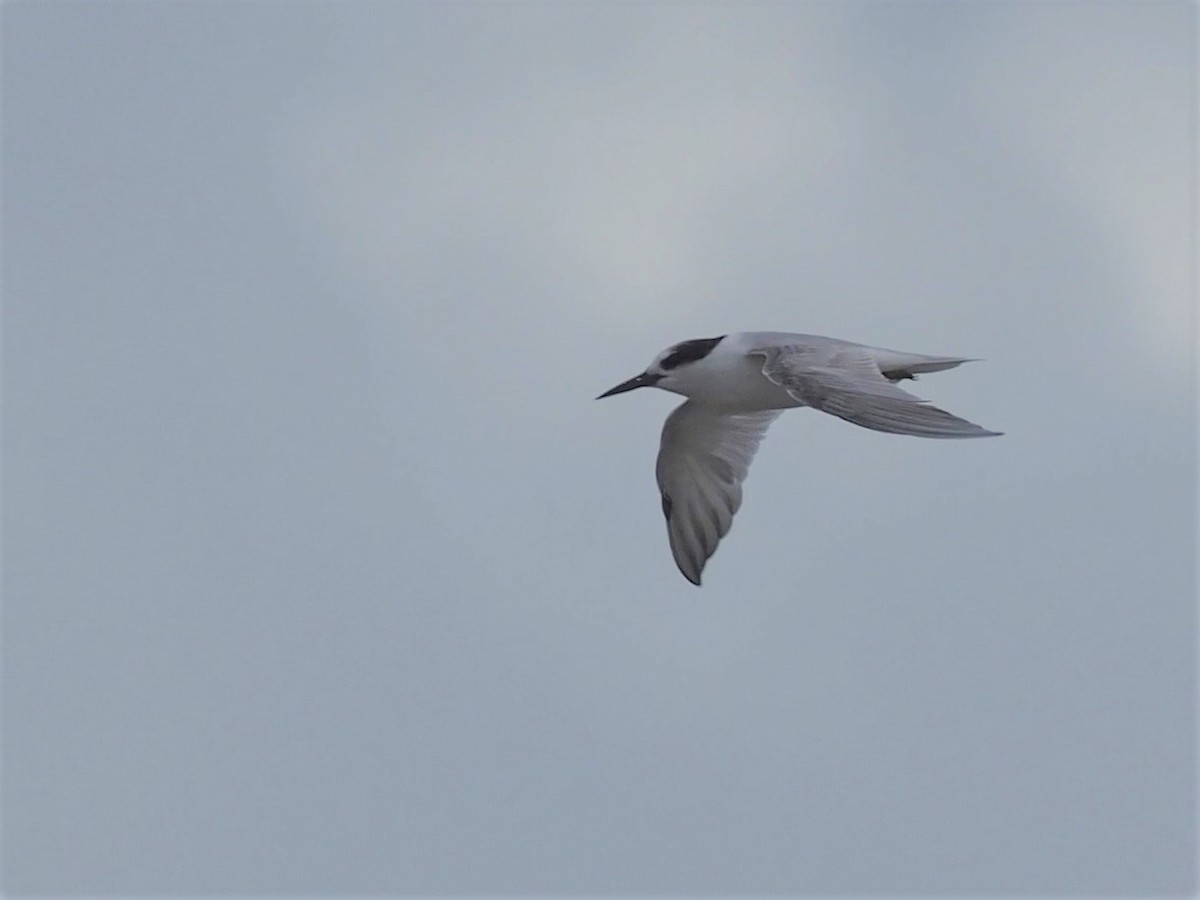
(690, 351)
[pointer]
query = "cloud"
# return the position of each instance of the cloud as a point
(1110, 122)
(606, 159)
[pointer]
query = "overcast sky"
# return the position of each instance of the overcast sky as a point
(325, 575)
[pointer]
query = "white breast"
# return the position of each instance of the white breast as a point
(729, 379)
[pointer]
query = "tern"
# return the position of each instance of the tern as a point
(737, 385)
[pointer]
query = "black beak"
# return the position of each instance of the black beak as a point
(643, 380)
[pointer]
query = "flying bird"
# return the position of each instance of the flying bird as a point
(737, 384)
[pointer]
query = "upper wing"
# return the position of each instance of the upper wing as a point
(846, 382)
(702, 462)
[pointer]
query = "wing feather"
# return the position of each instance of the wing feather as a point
(702, 461)
(846, 382)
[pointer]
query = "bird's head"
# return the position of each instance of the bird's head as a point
(669, 369)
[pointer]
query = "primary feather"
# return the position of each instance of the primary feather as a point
(702, 461)
(847, 382)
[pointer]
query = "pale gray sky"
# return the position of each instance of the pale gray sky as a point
(324, 574)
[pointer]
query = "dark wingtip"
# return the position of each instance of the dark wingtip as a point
(696, 580)
(684, 572)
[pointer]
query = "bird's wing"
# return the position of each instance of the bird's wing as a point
(846, 382)
(702, 462)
